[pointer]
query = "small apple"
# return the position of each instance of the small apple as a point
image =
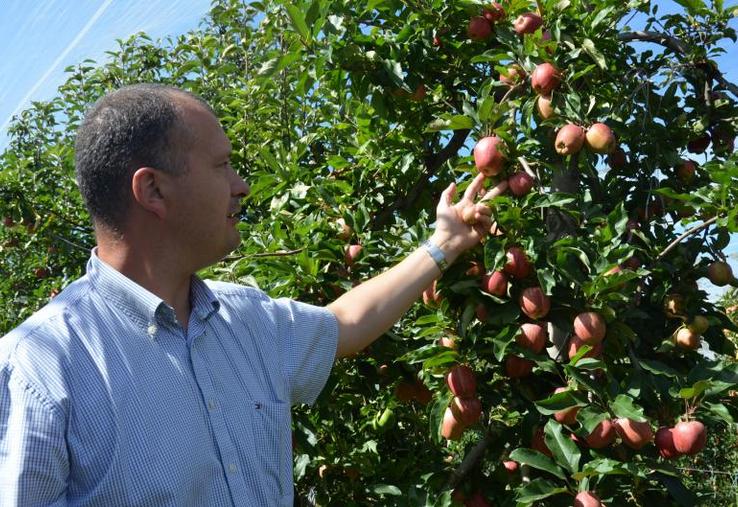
(517, 265)
(480, 311)
(533, 336)
(526, 23)
(447, 341)
(569, 139)
(566, 416)
(518, 367)
(538, 442)
(617, 159)
(699, 324)
(494, 12)
(685, 171)
(720, 273)
(544, 104)
(587, 499)
(600, 138)
(461, 381)
(513, 75)
(699, 144)
(495, 283)
(344, 230)
(690, 437)
(419, 94)
(451, 428)
(511, 466)
(479, 28)
(603, 435)
(352, 253)
(489, 156)
(545, 79)
(590, 327)
(475, 269)
(520, 183)
(534, 303)
(634, 434)
(41, 273)
(664, 441)
(466, 410)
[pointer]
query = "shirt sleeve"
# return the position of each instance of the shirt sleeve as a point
(33, 454)
(308, 341)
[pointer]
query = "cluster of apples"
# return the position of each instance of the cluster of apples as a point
(490, 157)
(465, 408)
(480, 27)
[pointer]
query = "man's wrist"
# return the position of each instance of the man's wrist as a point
(435, 253)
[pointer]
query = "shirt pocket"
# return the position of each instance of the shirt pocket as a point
(271, 431)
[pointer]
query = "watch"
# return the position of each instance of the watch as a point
(436, 254)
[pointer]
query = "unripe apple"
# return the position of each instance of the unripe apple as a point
(517, 264)
(587, 499)
(520, 183)
(545, 79)
(566, 416)
(528, 22)
(533, 336)
(590, 327)
(617, 159)
(569, 139)
(461, 381)
(534, 303)
(544, 104)
(466, 410)
(699, 144)
(576, 343)
(451, 428)
(602, 436)
(664, 441)
(600, 138)
(720, 273)
(699, 324)
(634, 434)
(352, 253)
(495, 283)
(513, 75)
(685, 171)
(494, 12)
(489, 156)
(518, 367)
(690, 437)
(479, 28)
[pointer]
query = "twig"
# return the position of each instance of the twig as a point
(280, 253)
(71, 243)
(526, 166)
(690, 232)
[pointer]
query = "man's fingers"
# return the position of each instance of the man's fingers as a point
(474, 187)
(447, 196)
(495, 191)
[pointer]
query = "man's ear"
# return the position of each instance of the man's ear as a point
(148, 190)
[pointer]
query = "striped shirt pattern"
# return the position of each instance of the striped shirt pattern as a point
(106, 401)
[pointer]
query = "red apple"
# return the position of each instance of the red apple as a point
(685, 171)
(466, 410)
(634, 434)
(517, 264)
(664, 441)
(590, 327)
(475, 269)
(489, 156)
(602, 436)
(518, 367)
(494, 12)
(533, 336)
(461, 381)
(569, 139)
(690, 437)
(699, 144)
(544, 104)
(575, 343)
(534, 303)
(451, 428)
(448, 342)
(527, 23)
(481, 312)
(566, 416)
(419, 93)
(421, 393)
(587, 499)
(520, 183)
(600, 138)
(479, 28)
(538, 442)
(511, 466)
(720, 273)
(41, 273)
(405, 392)
(495, 283)
(512, 75)
(545, 79)
(352, 253)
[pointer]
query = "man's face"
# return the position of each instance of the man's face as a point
(207, 200)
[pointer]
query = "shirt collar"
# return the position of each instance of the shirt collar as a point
(144, 308)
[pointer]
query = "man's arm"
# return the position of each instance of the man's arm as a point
(369, 310)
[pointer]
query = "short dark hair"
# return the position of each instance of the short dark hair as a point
(135, 126)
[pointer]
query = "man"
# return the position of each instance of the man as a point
(141, 384)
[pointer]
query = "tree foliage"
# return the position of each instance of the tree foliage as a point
(360, 113)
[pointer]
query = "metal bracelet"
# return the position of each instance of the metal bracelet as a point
(436, 254)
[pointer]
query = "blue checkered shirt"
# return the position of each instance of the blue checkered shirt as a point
(106, 401)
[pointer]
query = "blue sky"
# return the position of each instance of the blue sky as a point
(42, 37)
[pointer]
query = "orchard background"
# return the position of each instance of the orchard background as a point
(349, 119)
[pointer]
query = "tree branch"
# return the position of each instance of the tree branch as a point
(690, 232)
(470, 461)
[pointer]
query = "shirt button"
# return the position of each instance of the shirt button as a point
(151, 330)
(232, 468)
(212, 405)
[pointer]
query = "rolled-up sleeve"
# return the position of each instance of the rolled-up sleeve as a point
(308, 339)
(33, 455)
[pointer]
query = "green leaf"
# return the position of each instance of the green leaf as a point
(623, 406)
(695, 390)
(537, 489)
(386, 489)
(658, 368)
(537, 460)
(590, 417)
(557, 402)
(565, 451)
(694, 7)
(719, 410)
(592, 51)
(298, 21)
